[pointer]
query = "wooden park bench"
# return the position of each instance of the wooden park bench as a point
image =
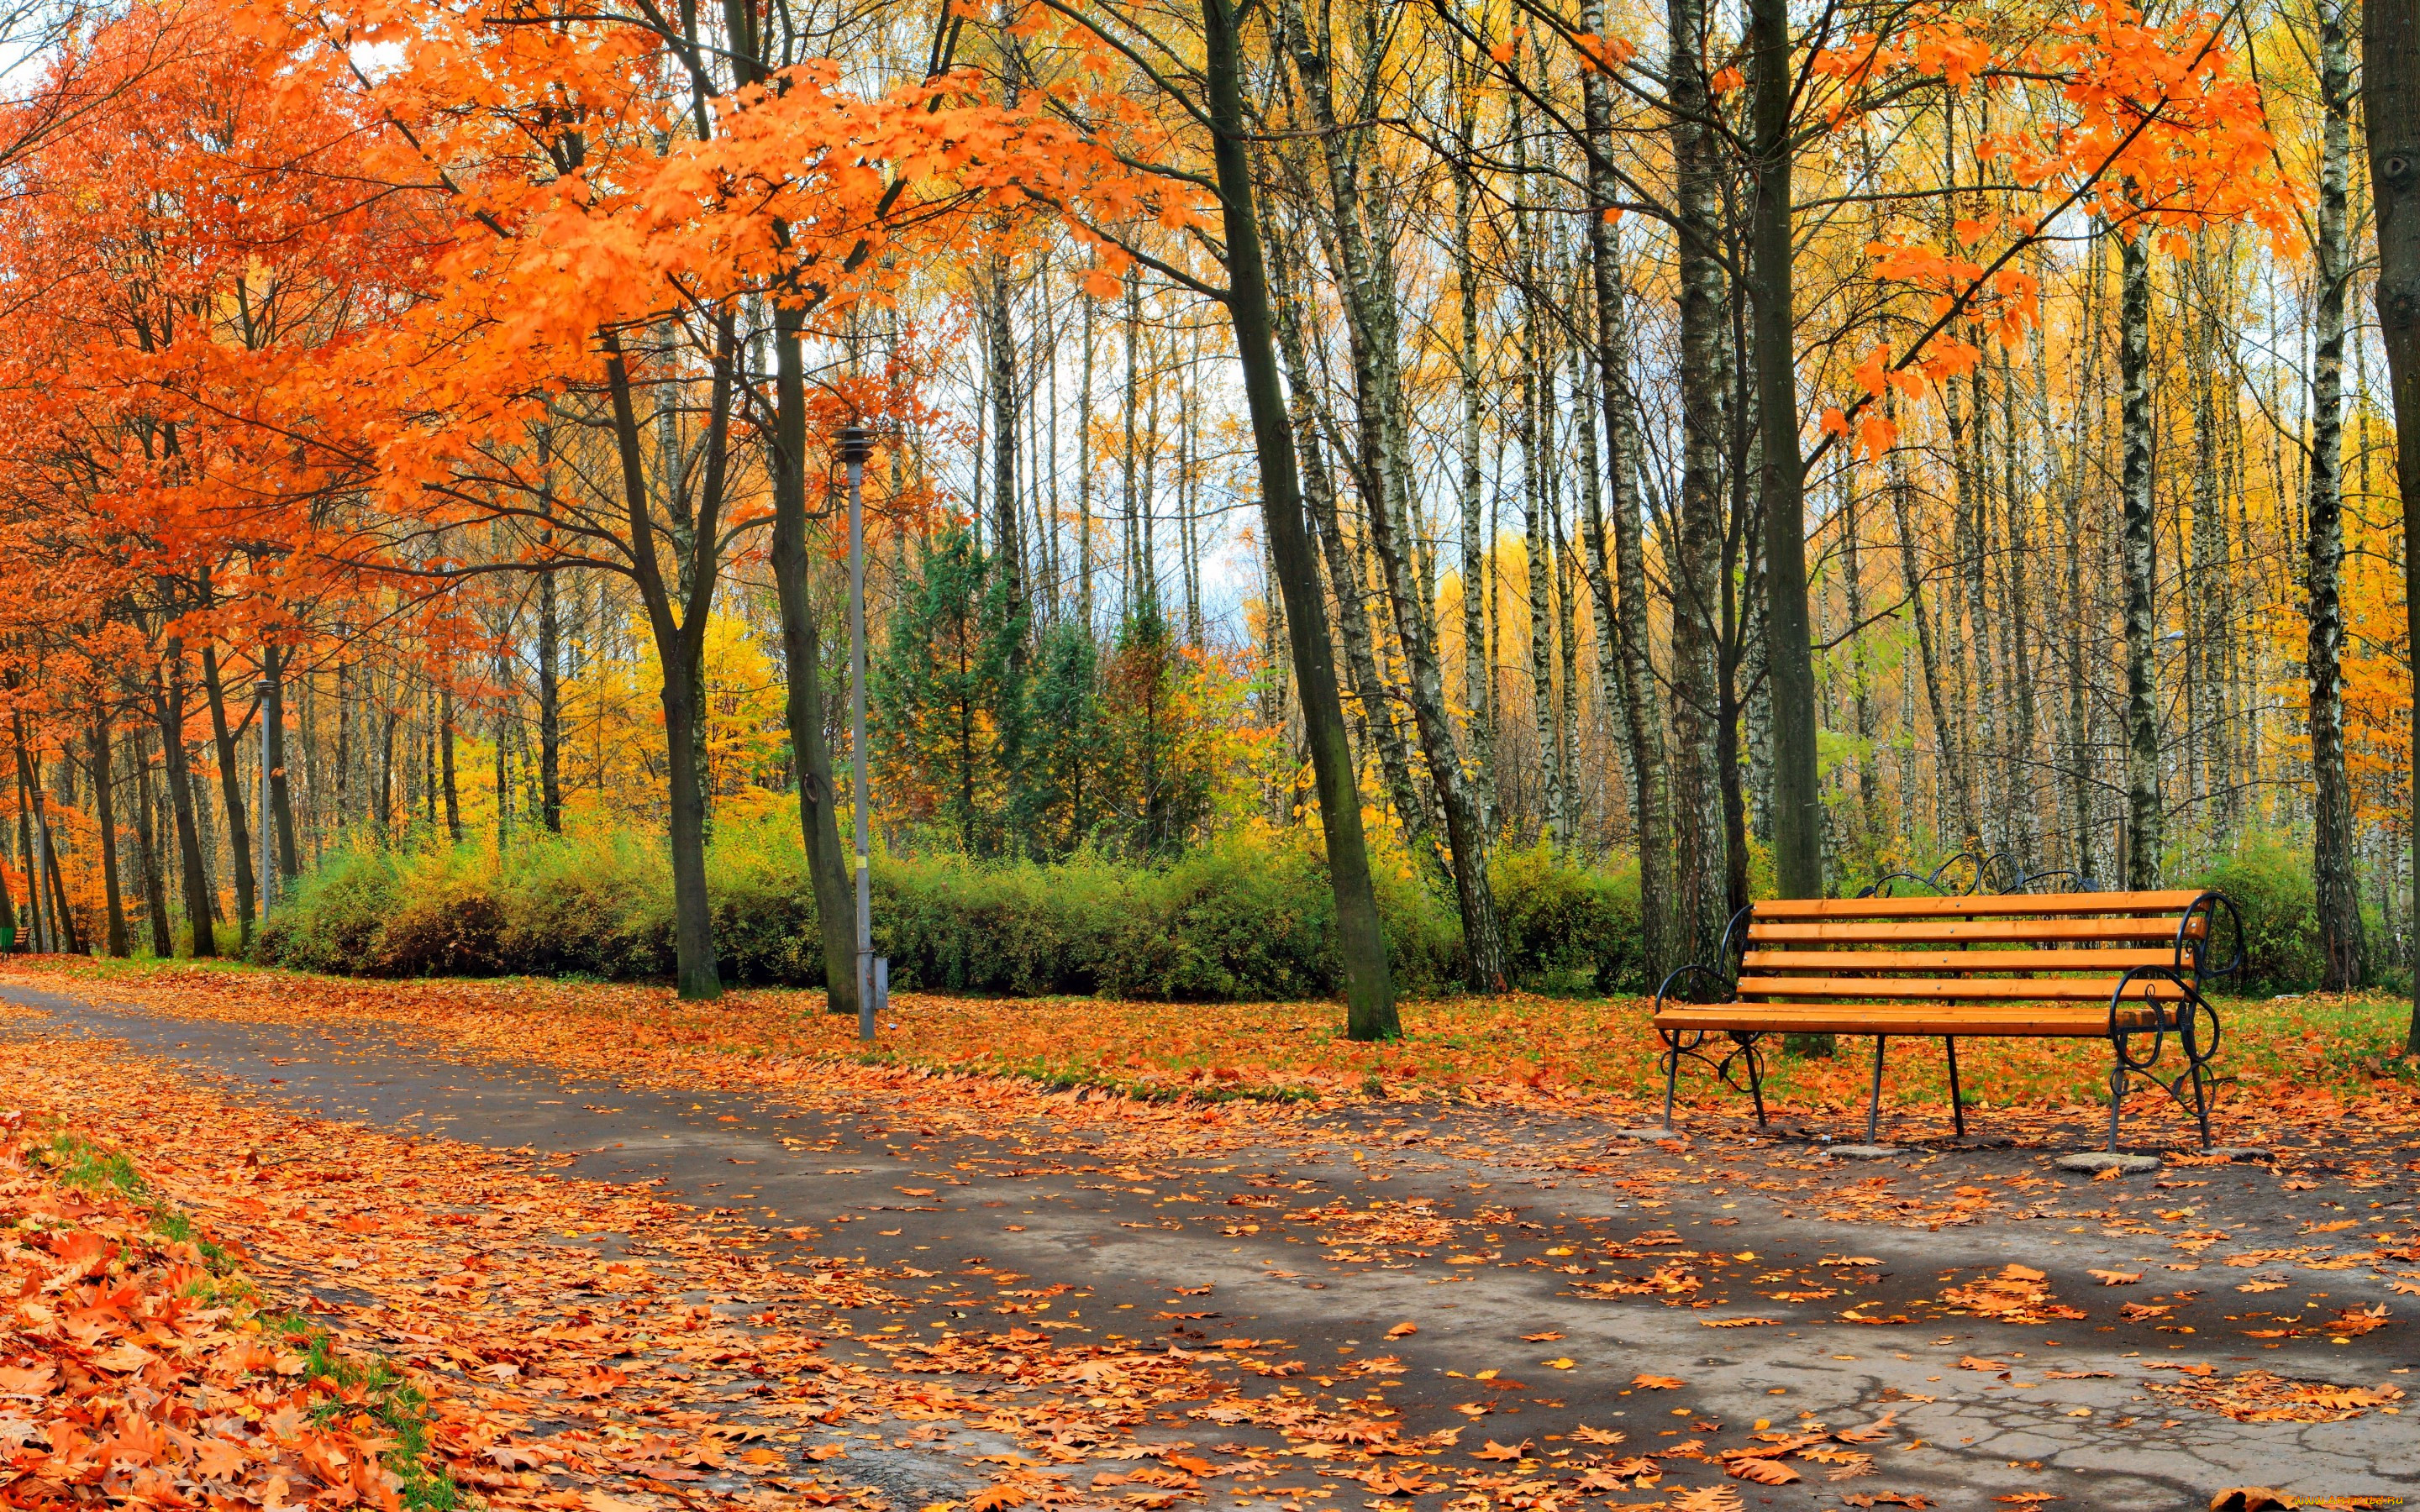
(2096, 965)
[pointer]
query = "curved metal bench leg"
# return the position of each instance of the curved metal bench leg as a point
(2116, 1087)
(2195, 1056)
(1956, 1109)
(1875, 1107)
(1671, 1079)
(1755, 1076)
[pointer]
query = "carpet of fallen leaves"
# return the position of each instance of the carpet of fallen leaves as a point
(2308, 1061)
(586, 1346)
(598, 1346)
(140, 1368)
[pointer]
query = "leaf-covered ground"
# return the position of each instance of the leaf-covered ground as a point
(140, 1365)
(643, 1269)
(2308, 1061)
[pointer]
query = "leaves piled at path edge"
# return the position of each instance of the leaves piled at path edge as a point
(136, 1373)
(1546, 1053)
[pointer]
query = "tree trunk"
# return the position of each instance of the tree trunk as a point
(445, 763)
(1537, 430)
(2335, 859)
(231, 793)
(104, 813)
(1379, 732)
(1477, 577)
(828, 865)
(33, 920)
(1370, 998)
(280, 788)
(1797, 801)
(1008, 543)
(676, 638)
(1700, 881)
(2391, 78)
(550, 704)
(63, 926)
(2143, 837)
(155, 888)
(1643, 728)
(169, 703)
(1387, 469)
(1084, 475)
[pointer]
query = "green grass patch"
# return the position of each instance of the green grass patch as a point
(373, 1387)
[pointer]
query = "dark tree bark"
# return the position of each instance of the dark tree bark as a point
(2335, 859)
(168, 704)
(828, 866)
(1798, 802)
(445, 763)
(1369, 992)
(104, 813)
(1701, 885)
(2391, 79)
(155, 887)
(231, 794)
(550, 706)
(281, 791)
(678, 609)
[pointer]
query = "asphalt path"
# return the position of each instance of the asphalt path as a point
(1121, 1250)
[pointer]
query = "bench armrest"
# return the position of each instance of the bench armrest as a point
(2198, 954)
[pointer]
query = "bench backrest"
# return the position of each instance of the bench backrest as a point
(2067, 947)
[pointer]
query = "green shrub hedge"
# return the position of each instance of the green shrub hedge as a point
(2271, 886)
(1249, 917)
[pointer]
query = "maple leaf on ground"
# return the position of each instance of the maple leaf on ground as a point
(2116, 1278)
(2029, 1497)
(993, 1498)
(1887, 1499)
(1657, 1382)
(1975, 1362)
(1738, 1322)
(1586, 1434)
(218, 1459)
(1501, 1451)
(1707, 1499)
(1763, 1472)
(1547, 1338)
(2358, 1320)
(1402, 1330)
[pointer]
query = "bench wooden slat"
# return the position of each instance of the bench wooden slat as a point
(2045, 1020)
(1946, 931)
(1954, 963)
(2035, 989)
(1988, 905)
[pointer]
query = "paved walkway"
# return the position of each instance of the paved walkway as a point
(1485, 1231)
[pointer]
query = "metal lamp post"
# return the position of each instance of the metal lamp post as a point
(856, 445)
